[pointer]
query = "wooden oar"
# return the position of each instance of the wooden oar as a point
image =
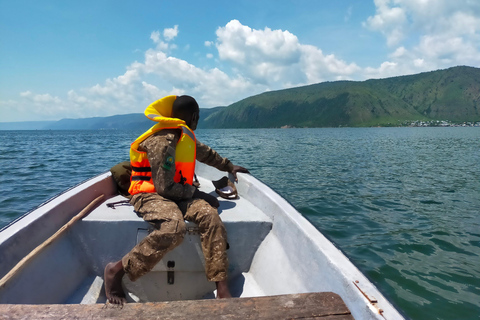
(49, 241)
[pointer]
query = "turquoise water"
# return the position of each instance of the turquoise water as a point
(402, 203)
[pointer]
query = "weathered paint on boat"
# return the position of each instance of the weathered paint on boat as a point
(274, 250)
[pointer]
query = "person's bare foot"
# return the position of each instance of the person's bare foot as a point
(113, 283)
(222, 290)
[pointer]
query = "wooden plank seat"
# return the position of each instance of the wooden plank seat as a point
(320, 305)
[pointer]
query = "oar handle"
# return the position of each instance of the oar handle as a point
(49, 241)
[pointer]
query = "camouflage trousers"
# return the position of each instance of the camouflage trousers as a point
(169, 217)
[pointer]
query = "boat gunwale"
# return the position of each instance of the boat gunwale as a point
(361, 286)
(52, 198)
(337, 246)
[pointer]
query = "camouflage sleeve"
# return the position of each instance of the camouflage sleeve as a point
(210, 157)
(160, 150)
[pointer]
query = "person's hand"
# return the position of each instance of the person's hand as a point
(207, 197)
(238, 169)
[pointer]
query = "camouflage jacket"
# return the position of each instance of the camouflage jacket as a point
(162, 144)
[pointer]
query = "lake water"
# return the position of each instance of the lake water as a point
(402, 203)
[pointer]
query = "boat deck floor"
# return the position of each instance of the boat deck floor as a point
(239, 216)
(320, 305)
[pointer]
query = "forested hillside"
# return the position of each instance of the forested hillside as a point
(452, 94)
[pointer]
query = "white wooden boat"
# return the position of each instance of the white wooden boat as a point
(273, 251)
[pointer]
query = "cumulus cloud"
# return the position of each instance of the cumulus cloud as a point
(389, 20)
(426, 35)
(42, 105)
(155, 36)
(276, 58)
(26, 94)
(170, 33)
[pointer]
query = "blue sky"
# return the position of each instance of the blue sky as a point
(76, 59)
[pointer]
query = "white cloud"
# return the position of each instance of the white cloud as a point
(426, 34)
(25, 94)
(389, 20)
(39, 98)
(43, 105)
(276, 58)
(386, 69)
(208, 86)
(239, 43)
(46, 98)
(269, 59)
(170, 33)
(155, 36)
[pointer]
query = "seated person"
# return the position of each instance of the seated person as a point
(163, 165)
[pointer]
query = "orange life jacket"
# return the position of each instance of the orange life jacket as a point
(185, 152)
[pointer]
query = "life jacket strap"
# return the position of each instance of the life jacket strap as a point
(141, 178)
(141, 169)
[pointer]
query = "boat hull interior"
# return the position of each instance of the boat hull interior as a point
(273, 250)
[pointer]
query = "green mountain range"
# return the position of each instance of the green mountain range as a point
(452, 95)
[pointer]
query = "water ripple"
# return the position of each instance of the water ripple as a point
(402, 203)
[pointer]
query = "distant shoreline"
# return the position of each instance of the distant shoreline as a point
(419, 125)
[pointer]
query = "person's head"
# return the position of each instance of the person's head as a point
(186, 108)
